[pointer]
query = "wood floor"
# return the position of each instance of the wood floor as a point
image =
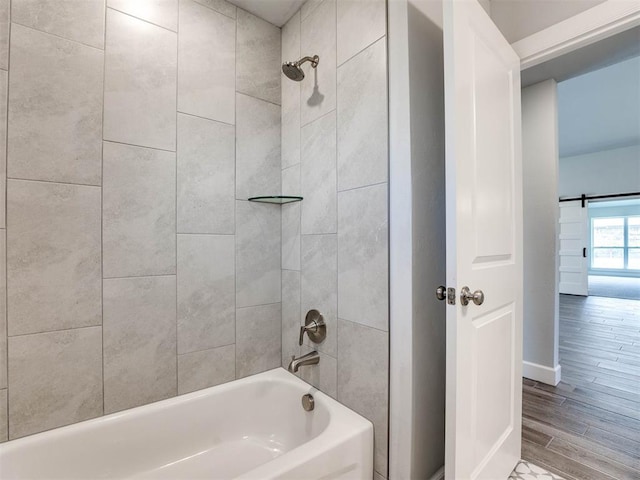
(588, 427)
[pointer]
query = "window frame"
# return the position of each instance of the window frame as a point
(625, 248)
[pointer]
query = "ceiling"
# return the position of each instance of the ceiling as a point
(608, 51)
(600, 110)
(276, 12)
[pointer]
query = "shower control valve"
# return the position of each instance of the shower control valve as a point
(314, 327)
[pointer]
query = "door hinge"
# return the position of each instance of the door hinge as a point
(451, 296)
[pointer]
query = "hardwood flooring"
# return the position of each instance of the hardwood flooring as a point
(588, 427)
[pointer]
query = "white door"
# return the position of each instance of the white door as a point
(574, 264)
(484, 246)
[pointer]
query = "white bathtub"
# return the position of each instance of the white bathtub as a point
(254, 428)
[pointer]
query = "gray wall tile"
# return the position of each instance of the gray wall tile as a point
(362, 119)
(343, 250)
(363, 354)
(81, 21)
(291, 316)
(55, 379)
(140, 83)
(139, 341)
(159, 12)
(3, 310)
(291, 220)
(53, 256)
(207, 368)
(257, 254)
(51, 77)
(320, 285)
(138, 211)
(318, 176)
(206, 66)
(290, 111)
(220, 6)
(324, 375)
(318, 37)
(206, 176)
(257, 148)
(4, 33)
(258, 339)
(363, 253)
(4, 416)
(206, 292)
(258, 58)
(359, 25)
(308, 7)
(4, 84)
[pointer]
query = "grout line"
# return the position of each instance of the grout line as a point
(57, 330)
(361, 325)
(366, 186)
(235, 19)
(76, 42)
(259, 305)
(176, 188)
(359, 52)
(200, 350)
(104, 76)
(6, 224)
(302, 125)
(298, 164)
(141, 19)
(337, 210)
(138, 146)
(4, 254)
(141, 276)
(235, 190)
(54, 182)
(257, 98)
(207, 234)
(180, 112)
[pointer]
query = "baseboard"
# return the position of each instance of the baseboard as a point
(439, 475)
(540, 373)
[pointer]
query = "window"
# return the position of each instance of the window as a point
(615, 243)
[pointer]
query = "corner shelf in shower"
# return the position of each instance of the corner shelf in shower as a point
(276, 199)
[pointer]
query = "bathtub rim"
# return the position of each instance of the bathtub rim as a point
(344, 423)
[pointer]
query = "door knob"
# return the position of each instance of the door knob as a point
(465, 296)
(441, 292)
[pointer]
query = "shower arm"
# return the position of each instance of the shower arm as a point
(314, 60)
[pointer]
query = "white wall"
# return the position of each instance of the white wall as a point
(518, 19)
(540, 169)
(429, 236)
(601, 173)
(417, 229)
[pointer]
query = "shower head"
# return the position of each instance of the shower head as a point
(294, 71)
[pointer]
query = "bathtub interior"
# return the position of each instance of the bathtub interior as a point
(256, 421)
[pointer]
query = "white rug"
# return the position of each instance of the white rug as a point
(529, 471)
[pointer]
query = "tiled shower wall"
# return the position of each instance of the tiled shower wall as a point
(135, 268)
(335, 242)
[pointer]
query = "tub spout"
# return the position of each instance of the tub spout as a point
(312, 358)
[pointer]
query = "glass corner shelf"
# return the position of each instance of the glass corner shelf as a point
(277, 199)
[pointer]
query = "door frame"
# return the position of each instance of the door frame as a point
(590, 26)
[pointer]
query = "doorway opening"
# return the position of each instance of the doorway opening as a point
(587, 424)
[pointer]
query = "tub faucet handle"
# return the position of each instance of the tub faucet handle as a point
(314, 326)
